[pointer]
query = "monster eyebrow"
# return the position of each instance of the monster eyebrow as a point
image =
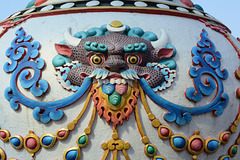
(96, 47)
(137, 47)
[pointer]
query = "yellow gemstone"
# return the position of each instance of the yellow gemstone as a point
(116, 24)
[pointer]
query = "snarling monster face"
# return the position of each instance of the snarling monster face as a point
(115, 61)
(114, 58)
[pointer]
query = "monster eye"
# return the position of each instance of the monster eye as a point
(133, 59)
(97, 59)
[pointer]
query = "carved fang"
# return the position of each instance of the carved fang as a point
(71, 39)
(162, 41)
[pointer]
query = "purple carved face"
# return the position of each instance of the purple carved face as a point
(114, 58)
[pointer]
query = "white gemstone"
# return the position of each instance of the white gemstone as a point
(47, 8)
(92, 3)
(67, 5)
(29, 11)
(163, 6)
(197, 12)
(124, 81)
(119, 81)
(140, 4)
(116, 3)
(112, 81)
(182, 9)
(15, 14)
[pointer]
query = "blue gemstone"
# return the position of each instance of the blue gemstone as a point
(72, 155)
(108, 88)
(47, 140)
(227, 158)
(15, 142)
(159, 159)
(179, 142)
(213, 145)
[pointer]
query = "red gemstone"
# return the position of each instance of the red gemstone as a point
(31, 143)
(196, 145)
(226, 137)
(3, 134)
(164, 132)
(189, 3)
(62, 133)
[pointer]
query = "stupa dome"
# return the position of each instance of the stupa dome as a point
(135, 79)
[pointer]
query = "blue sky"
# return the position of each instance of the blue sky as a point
(226, 11)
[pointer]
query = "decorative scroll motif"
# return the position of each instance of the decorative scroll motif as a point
(209, 60)
(24, 57)
(182, 115)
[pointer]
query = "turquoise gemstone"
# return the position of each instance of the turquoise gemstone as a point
(71, 155)
(15, 142)
(82, 140)
(151, 150)
(213, 145)
(179, 142)
(115, 98)
(108, 88)
(47, 140)
(234, 150)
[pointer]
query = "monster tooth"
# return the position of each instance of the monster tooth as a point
(124, 81)
(118, 81)
(129, 75)
(99, 75)
(104, 75)
(94, 80)
(123, 74)
(100, 82)
(130, 83)
(93, 74)
(106, 81)
(112, 81)
(136, 76)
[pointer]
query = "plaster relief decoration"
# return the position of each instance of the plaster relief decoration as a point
(116, 64)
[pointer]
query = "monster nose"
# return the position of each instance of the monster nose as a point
(115, 63)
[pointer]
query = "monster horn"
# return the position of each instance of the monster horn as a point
(162, 41)
(71, 39)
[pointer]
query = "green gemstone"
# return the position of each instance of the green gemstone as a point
(151, 150)
(234, 150)
(82, 140)
(115, 98)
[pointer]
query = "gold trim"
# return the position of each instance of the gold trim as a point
(71, 125)
(145, 139)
